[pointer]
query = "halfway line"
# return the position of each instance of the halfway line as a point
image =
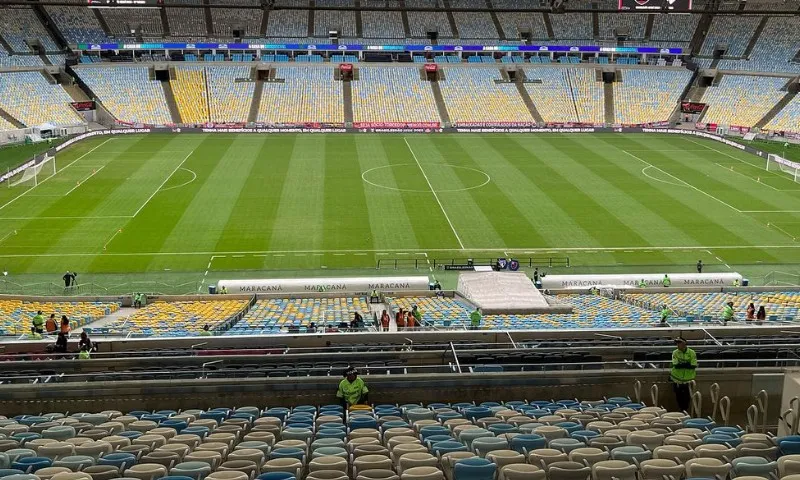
(163, 183)
(460, 243)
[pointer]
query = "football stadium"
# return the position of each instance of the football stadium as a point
(399, 239)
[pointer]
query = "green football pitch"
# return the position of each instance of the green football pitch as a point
(181, 211)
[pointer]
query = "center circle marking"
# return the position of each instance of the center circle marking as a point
(486, 178)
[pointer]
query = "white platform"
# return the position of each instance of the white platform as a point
(505, 292)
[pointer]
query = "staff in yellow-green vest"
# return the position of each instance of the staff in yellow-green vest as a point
(684, 370)
(666, 281)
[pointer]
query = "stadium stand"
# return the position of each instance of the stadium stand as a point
(774, 50)
(633, 23)
(229, 100)
(16, 315)
(514, 23)
(28, 97)
(572, 26)
(421, 22)
(708, 306)
(18, 24)
(128, 93)
(553, 96)
(645, 96)
(288, 23)
(77, 25)
(5, 125)
(588, 93)
(733, 31)
(471, 95)
(392, 95)
(342, 20)
(122, 21)
(189, 87)
(742, 100)
(225, 20)
(475, 25)
(174, 319)
(276, 315)
(382, 24)
(186, 21)
(788, 119)
(307, 95)
(674, 29)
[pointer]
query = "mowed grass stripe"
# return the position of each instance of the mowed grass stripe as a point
(474, 227)
(251, 221)
(204, 219)
(345, 214)
(387, 213)
(429, 225)
(298, 224)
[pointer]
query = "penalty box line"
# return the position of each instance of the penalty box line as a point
(385, 251)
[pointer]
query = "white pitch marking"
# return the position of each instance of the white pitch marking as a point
(112, 238)
(360, 254)
(48, 178)
(163, 183)
(781, 230)
(685, 183)
(746, 176)
(101, 217)
(208, 268)
(85, 179)
(13, 232)
(435, 195)
(194, 177)
(238, 256)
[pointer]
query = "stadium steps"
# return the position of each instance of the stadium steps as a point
(347, 101)
(572, 95)
(776, 109)
(169, 95)
(549, 26)
(258, 92)
(500, 32)
(50, 26)
(700, 34)
(695, 93)
(754, 39)
(44, 59)
(648, 29)
(608, 97)
(404, 16)
(359, 21)
(595, 25)
(164, 21)
(13, 121)
(440, 105)
(5, 45)
(76, 93)
(451, 19)
(262, 30)
(102, 22)
(526, 98)
(311, 6)
(209, 20)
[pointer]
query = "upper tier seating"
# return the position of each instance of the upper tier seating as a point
(276, 315)
(475, 25)
(122, 21)
(342, 20)
(420, 22)
(572, 26)
(674, 28)
(392, 95)
(191, 96)
(776, 47)
(645, 96)
(634, 23)
(287, 23)
(226, 20)
(382, 24)
(175, 319)
(128, 93)
(471, 95)
(788, 119)
(734, 31)
(514, 23)
(16, 315)
(742, 100)
(308, 95)
(553, 96)
(18, 24)
(29, 98)
(186, 21)
(229, 100)
(77, 25)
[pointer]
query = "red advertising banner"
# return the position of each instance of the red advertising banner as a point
(346, 67)
(431, 67)
(396, 125)
(496, 124)
(83, 106)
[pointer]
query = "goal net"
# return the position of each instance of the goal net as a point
(36, 173)
(776, 163)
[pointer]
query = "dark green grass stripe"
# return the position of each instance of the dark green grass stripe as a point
(253, 216)
(346, 220)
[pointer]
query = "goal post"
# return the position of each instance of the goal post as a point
(776, 163)
(42, 168)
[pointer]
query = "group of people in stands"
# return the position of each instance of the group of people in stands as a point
(404, 319)
(40, 327)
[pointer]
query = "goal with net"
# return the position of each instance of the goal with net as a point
(42, 168)
(777, 163)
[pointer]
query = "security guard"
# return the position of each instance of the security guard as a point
(352, 389)
(666, 281)
(684, 370)
(727, 313)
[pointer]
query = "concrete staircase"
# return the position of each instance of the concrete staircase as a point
(5, 45)
(775, 110)
(209, 19)
(50, 26)
(170, 97)
(262, 30)
(548, 25)
(700, 34)
(496, 21)
(526, 98)
(404, 15)
(44, 59)
(13, 121)
(311, 18)
(359, 24)
(608, 97)
(164, 22)
(77, 93)
(102, 22)
(451, 19)
(258, 92)
(648, 29)
(440, 106)
(347, 100)
(752, 43)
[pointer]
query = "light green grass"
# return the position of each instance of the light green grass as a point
(186, 210)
